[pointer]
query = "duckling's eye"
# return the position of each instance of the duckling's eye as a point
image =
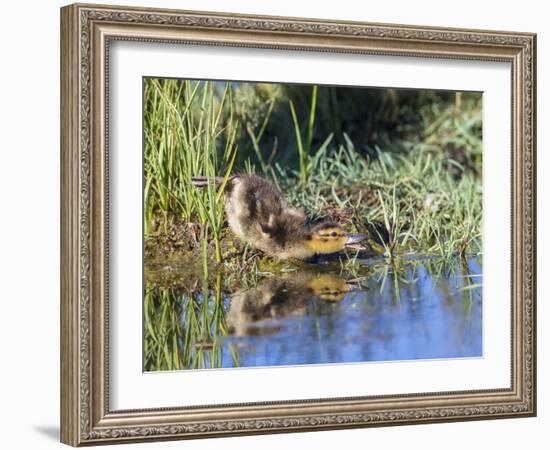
(334, 234)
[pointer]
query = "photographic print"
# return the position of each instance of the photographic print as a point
(289, 224)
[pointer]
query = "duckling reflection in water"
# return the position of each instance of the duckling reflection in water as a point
(259, 214)
(275, 298)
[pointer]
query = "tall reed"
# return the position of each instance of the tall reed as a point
(190, 129)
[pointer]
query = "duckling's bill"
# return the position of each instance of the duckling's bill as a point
(353, 241)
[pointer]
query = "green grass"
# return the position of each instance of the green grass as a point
(184, 122)
(407, 201)
(419, 193)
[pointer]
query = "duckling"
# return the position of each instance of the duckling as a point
(258, 214)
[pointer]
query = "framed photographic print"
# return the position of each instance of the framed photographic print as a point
(275, 224)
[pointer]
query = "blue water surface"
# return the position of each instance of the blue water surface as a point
(421, 311)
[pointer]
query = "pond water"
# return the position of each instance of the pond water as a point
(417, 309)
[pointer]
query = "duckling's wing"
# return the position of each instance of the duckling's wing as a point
(265, 200)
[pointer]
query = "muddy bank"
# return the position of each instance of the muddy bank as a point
(174, 257)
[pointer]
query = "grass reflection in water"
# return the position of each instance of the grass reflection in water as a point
(406, 310)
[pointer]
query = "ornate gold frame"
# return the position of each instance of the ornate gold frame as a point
(86, 31)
